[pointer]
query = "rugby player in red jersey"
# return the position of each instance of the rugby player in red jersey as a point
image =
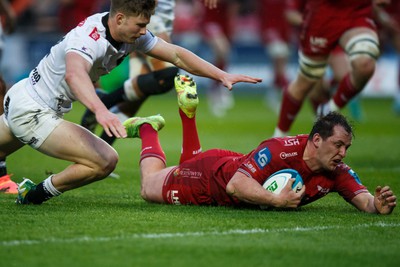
(227, 178)
(326, 25)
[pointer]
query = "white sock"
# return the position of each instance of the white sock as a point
(279, 133)
(48, 185)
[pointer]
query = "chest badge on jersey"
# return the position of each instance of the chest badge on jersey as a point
(95, 34)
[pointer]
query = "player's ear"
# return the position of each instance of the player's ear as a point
(317, 140)
(120, 18)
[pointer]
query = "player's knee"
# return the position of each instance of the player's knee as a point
(106, 164)
(364, 66)
(146, 192)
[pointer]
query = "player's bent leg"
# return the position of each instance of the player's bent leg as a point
(93, 158)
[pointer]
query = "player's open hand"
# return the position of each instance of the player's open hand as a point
(384, 200)
(111, 124)
(230, 79)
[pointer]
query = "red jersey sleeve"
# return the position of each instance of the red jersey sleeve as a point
(347, 183)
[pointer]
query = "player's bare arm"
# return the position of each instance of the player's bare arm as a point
(249, 190)
(193, 64)
(77, 69)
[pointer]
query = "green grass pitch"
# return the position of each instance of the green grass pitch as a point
(108, 224)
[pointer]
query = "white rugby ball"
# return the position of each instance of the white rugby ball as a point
(277, 181)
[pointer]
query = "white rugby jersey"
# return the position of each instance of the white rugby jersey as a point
(92, 40)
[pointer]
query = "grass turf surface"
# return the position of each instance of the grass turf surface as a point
(108, 224)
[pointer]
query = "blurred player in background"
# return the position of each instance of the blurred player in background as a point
(216, 27)
(227, 178)
(326, 25)
(389, 22)
(337, 61)
(9, 13)
(277, 37)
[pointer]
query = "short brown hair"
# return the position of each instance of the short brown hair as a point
(133, 7)
(324, 125)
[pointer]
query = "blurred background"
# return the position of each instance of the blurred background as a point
(249, 27)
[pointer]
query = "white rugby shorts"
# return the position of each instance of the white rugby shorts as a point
(28, 119)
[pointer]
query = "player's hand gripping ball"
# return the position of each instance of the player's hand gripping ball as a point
(277, 181)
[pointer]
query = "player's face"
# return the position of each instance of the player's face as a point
(131, 28)
(332, 150)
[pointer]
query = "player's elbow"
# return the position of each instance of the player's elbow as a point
(70, 75)
(231, 188)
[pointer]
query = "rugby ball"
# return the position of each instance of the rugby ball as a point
(277, 181)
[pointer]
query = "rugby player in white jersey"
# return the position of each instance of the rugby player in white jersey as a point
(34, 107)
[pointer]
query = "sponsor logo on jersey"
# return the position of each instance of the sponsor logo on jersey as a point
(292, 142)
(35, 76)
(263, 157)
(173, 194)
(320, 42)
(196, 152)
(323, 191)
(95, 34)
(284, 155)
(250, 167)
(190, 174)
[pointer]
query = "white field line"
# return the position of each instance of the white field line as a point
(96, 239)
